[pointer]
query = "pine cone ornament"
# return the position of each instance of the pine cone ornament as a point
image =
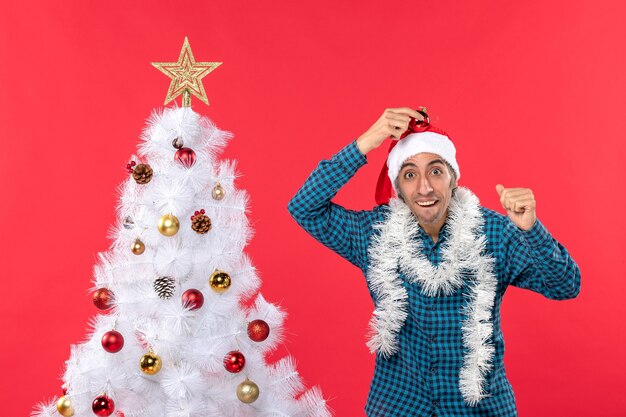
(164, 287)
(200, 222)
(142, 173)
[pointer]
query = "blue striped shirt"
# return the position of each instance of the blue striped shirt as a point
(422, 379)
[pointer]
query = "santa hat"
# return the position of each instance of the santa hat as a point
(421, 136)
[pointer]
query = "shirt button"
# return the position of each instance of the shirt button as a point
(433, 370)
(435, 403)
(431, 339)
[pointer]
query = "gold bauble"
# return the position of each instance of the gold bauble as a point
(150, 363)
(168, 225)
(64, 407)
(138, 247)
(247, 391)
(219, 281)
(218, 192)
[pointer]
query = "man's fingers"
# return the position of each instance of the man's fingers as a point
(393, 132)
(398, 124)
(522, 205)
(507, 192)
(408, 111)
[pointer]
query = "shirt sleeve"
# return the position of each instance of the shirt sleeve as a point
(343, 231)
(534, 260)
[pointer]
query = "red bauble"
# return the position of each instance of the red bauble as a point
(185, 156)
(112, 341)
(103, 298)
(103, 406)
(193, 299)
(234, 361)
(258, 330)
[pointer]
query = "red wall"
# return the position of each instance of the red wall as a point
(533, 93)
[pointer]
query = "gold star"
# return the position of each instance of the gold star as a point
(186, 75)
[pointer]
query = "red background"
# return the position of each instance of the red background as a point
(532, 93)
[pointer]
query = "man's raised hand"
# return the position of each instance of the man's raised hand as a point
(393, 123)
(520, 205)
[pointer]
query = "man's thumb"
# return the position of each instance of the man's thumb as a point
(499, 188)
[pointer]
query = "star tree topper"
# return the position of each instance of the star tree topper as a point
(186, 75)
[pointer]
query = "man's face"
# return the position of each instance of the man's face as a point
(423, 179)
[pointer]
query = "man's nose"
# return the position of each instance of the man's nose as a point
(424, 185)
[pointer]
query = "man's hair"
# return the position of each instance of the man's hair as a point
(452, 181)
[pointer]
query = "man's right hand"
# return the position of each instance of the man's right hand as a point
(393, 123)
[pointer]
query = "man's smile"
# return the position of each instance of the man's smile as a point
(428, 203)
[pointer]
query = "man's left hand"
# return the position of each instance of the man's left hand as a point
(520, 205)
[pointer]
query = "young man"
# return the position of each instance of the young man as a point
(437, 265)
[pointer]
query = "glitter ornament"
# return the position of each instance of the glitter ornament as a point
(103, 406)
(185, 156)
(219, 281)
(193, 299)
(234, 361)
(150, 363)
(258, 330)
(64, 406)
(112, 341)
(138, 247)
(218, 192)
(247, 391)
(168, 225)
(103, 298)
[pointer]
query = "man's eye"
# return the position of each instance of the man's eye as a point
(409, 175)
(436, 171)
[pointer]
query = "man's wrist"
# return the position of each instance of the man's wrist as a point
(364, 146)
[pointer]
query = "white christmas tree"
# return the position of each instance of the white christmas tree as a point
(184, 331)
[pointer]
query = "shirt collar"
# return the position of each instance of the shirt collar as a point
(443, 233)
